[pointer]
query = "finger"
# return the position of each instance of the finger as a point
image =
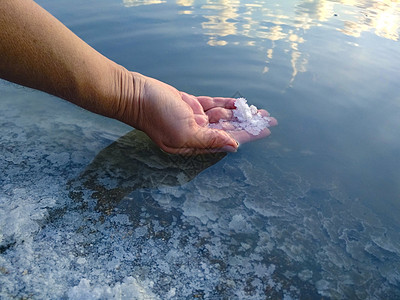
(192, 101)
(263, 112)
(201, 120)
(272, 121)
(242, 136)
(210, 102)
(197, 151)
(227, 115)
(205, 140)
(227, 126)
(217, 113)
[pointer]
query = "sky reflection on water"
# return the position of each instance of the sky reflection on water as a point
(287, 22)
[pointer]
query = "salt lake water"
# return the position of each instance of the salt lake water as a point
(92, 209)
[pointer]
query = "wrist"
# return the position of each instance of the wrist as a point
(112, 91)
(127, 96)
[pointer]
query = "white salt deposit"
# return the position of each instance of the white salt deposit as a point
(246, 118)
(130, 288)
(237, 230)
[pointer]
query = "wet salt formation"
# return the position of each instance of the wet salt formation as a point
(245, 117)
(87, 215)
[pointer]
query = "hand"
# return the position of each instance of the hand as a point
(178, 122)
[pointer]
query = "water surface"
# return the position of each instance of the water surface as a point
(91, 209)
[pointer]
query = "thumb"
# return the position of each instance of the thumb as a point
(212, 140)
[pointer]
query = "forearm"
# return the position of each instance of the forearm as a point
(38, 51)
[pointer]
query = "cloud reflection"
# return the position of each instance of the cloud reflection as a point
(221, 20)
(253, 22)
(129, 3)
(383, 17)
(187, 5)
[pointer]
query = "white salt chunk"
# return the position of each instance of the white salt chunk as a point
(245, 118)
(81, 260)
(253, 109)
(248, 118)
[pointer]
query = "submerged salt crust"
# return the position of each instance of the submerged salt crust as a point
(246, 118)
(85, 218)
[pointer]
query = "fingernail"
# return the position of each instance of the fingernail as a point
(228, 149)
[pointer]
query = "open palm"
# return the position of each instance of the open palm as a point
(178, 122)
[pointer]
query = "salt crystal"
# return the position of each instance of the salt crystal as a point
(81, 260)
(253, 109)
(248, 118)
(245, 118)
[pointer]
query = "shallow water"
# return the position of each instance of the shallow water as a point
(91, 209)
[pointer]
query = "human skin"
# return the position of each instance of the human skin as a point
(38, 51)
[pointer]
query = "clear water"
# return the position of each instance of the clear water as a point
(90, 209)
